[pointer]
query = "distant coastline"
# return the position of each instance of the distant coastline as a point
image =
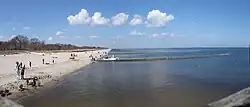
(21, 43)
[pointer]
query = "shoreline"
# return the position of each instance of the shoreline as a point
(19, 96)
(48, 75)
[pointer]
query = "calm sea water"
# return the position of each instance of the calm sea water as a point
(178, 83)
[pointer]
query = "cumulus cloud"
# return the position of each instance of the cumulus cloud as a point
(161, 35)
(50, 38)
(97, 19)
(136, 33)
(81, 18)
(136, 20)
(156, 18)
(119, 19)
(92, 37)
(26, 28)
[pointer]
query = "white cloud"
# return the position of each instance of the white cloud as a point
(154, 35)
(136, 33)
(26, 28)
(81, 18)
(97, 19)
(157, 18)
(91, 37)
(119, 19)
(161, 35)
(50, 38)
(136, 20)
(12, 36)
(34, 36)
(58, 33)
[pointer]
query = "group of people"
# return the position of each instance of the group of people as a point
(43, 61)
(20, 67)
(93, 58)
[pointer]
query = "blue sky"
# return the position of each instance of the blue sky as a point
(157, 24)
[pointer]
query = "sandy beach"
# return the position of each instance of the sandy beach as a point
(46, 73)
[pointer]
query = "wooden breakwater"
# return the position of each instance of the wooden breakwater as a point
(166, 58)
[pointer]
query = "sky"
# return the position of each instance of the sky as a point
(129, 23)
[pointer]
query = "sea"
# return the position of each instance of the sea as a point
(165, 83)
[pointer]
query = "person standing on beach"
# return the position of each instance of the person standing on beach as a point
(18, 72)
(53, 61)
(17, 64)
(43, 61)
(20, 65)
(22, 72)
(30, 63)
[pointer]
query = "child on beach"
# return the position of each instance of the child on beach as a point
(20, 65)
(17, 64)
(22, 72)
(30, 63)
(18, 72)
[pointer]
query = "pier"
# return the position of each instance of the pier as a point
(165, 58)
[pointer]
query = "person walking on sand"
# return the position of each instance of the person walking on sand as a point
(22, 72)
(30, 63)
(43, 61)
(53, 61)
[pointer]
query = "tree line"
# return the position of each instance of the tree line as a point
(21, 42)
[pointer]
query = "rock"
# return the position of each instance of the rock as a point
(238, 99)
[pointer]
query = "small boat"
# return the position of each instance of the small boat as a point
(113, 58)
